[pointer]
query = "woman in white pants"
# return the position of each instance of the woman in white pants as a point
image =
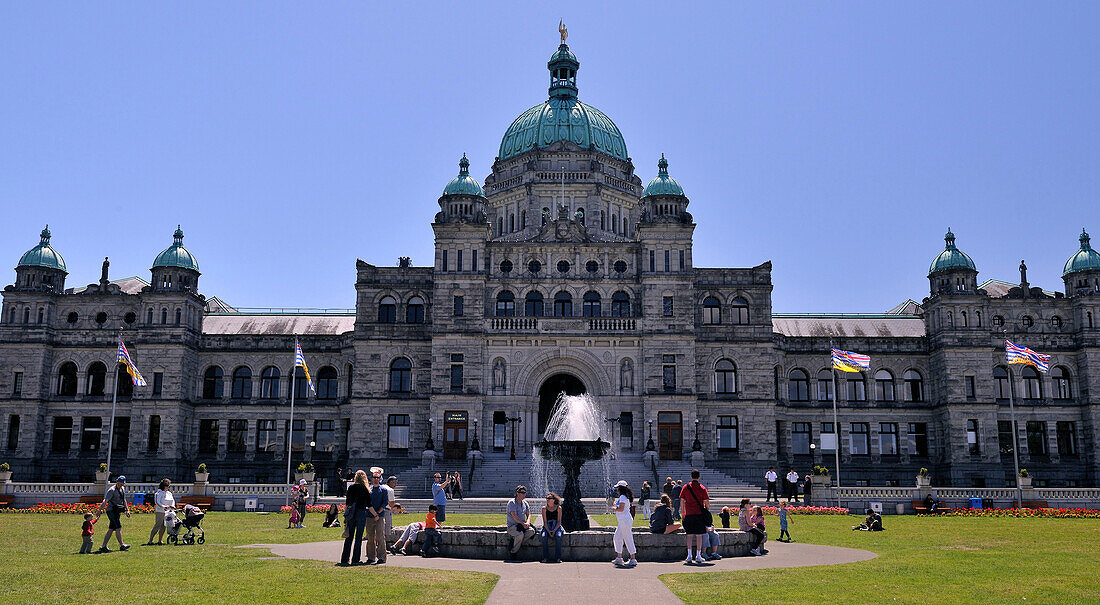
(624, 532)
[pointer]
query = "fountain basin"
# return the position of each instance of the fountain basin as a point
(467, 542)
(573, 450)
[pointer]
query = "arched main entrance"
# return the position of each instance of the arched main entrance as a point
(549, 391)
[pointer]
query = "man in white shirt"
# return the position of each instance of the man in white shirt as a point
(771, 478)
(792, 485)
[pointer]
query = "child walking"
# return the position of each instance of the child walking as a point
(87, 530)
(783, 522)
(624, 535)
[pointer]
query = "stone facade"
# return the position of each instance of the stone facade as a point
(563, 273)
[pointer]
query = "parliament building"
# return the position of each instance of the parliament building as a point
(563, 271)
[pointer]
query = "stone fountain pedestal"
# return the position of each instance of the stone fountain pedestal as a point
(572, 455)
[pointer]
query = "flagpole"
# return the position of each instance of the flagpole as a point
(290, 431)
(1015, 437)
(114, 404)
(836, 424)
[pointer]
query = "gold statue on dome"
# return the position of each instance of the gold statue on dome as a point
(563, 31)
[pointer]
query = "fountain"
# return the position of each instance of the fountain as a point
(572, 437)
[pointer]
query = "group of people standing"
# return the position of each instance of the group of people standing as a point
(367, 512)
(116, 504)
(791, 486)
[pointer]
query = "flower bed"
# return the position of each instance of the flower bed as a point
(313, 508)
(70, 508)
(807, 510)
(1030, 513)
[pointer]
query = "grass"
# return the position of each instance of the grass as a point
(922, 560)
(44, 566)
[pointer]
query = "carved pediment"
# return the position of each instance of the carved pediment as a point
(563, 230)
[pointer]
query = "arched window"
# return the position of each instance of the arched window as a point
(884, 386)
(327, 385)
(387, 310)
(620, 304)
(532, 304)
(163, 316)
(506, 304)
(66, 379)
(1027, 321)
(712, 311)
(301, 385)
(124, 383)
(27, 315)
(179, 316)
(825, 385)
(914, 385)
(97, 379)
(401, 376)
(149, 317)
(269, 383)
(1056, 322)
(1033, 384)
(998, 321)
(563, 304)
(740, 313)
(798, 385)
(212, 383)
(1060, 378)
(725, 377)
(414, 311)
(591, 305)
(242, 383)
(1000, 377)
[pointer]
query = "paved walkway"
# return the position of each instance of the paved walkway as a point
(581, 583)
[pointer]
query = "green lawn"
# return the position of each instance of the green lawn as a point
(44, 567)
(922, 560)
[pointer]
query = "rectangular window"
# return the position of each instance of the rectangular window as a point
(500, 433)
(1067, 437)
(824, 386)
(62, 434)
(120, 441)
(265, 436)
(888, 439)
(458, 262)
(17, 384)
(859, 440)
(918, 439)
(971, 391)
(152, 444)
(399, 432)
(669, 373)
(158, 383)
(668, 265)
(13, 432)
(681, 260)
(456, 371)
(458, 306)
(473, 260)
(444, 261)
(1005, 438)
(652, 262)
(91, 433)
(208, 436)
(857, 389)
(1037, 438)
(972, 437)
(667, 306)
(828, 437)
(235, 442)
(626, 430)
(727, 433)
(298, 436)
(800, 438)
(324, 436)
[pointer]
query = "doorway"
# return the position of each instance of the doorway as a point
(670, 435)
(455, 429)
(549, 391)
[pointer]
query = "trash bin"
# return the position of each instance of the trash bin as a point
(900, 508)
(139, 498)
(975, 502)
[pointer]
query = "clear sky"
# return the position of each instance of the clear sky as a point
(838, 140)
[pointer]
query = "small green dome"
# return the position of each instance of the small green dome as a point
(663, 184)
(463, 184)
(43, 255)
(176, 255)
(951, 257)
(1085, 259)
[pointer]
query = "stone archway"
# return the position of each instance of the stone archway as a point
(549, 391)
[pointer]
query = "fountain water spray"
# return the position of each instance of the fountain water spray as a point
(572, 438)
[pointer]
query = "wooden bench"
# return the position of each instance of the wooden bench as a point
(919, 508)
(6, 501)
(203, 502)
(1036, 504)
(91, 499)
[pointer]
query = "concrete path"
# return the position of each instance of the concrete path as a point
(582, 583)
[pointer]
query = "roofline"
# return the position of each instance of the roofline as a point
(289, 311)
(844, 316)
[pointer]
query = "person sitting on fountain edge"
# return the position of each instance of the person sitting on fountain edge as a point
(551, 527)
(518, 521)
(660, 522)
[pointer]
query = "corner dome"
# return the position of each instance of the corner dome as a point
(176, 256)
(1085, 259)
(663, 184)
(563, 117)
(43, 255)
(464, 184)
(951, 257)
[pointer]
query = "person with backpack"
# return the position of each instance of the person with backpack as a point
(695, 501)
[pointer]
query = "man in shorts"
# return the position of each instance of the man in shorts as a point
(694, 501)
(114, 502)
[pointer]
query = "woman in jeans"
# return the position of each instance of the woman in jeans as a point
(355, 519)
(643, 497)
(164, 501)
(551, 527)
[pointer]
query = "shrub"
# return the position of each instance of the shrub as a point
(923, 472)
(821, 470)
(1023, 472)
(305, 467)
(103, 467)
(202, 468)
(4, 467)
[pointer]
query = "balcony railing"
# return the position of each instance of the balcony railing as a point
(555, 325)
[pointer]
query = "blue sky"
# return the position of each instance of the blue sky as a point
(837, 140)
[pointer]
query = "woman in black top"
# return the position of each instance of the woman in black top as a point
(331, 517)
(643, 498)
(355, 519)
(551, 526)
(661, 522)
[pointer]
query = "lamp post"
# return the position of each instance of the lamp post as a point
(696, 445)
(475, 444)
(514, 420)
(430, 443)
(650, 446)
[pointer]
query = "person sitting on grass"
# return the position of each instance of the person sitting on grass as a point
(759, 533)
(432, 536)
(873, 522)
(660, 522)
(332, 516)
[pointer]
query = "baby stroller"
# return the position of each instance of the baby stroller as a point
(191, 522)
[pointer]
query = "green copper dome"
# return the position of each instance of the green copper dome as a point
(463, 184)
(1085, 259)
(176, 255)
(663, 184)
(43, 255)
(951, 257)
(562, 117)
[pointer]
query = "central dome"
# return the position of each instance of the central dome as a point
(563, 117)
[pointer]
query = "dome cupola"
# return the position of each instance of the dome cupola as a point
(43, 255)
(952, 271)
(1081, 273)
(463, 199)
(176, 269)
(176, 256)
(664, 198)
(662, 184)
(951, 257)
(463, 184)
(41, 267)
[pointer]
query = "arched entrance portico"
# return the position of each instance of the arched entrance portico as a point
(549, 391)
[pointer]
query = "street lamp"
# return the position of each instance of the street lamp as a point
(696, 445)
(430, 444)
(649, 445)
(514, 420)
(475, 445)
